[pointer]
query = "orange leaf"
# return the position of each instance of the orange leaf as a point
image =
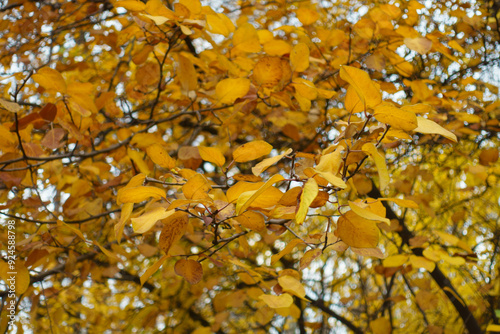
(173, 230)
(191, 270)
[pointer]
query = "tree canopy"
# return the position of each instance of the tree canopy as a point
(250, 166)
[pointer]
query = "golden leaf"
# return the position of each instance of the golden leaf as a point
(361, 211)
(51, 80)
(246, 39)
(139, 194)
(229, 90)
(196, 187)
(357, 231)
(147, 220)
(266, 163)
(160, 156)
(174, 227)
(309, 193)
(191, 270)
(251, 151)
(299, 57)
(292, 285)
(396, 117)
(281, 301)
(427, 126)
(368, 93)
(213, 155)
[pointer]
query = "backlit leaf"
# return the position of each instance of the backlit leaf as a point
(191, 270)
(266, 163)
(228, 90)
(160, 156)
(361, 211)
(139, 194)
(51, 80)
(367, 91)
(357, 231)
(146, 221)
(427, 126)
(281, 301)
(309, 193)
(174, 227)
(292, 285)
(212, 154)
(396, 117)
(299, 57)
(251, 151)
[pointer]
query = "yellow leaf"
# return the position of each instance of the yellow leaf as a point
(173, 229)
(138, 159)
(330, 162)
(422, 262)
(19, 272)
(219, 24)
(194, 6)
(374, 252)
(51, 80)
(160, 156)
(305, 88)
(427, 126)
(247, 198)
(196, 187)
(405, 203)
(251, 151)
(299, 57)
(367, 91)
(191, 270)
(252, 220)
(187, 74)
(493, 328)
(157, 19)
(292, 285)
(266, 163)
(147, 220)
(456, 46)
(271, 71)
(353, 103)
(139, 194)
(106, 252)
(309, 193)
(395, 260)
(229, 90)
(277, 47)
(10, 106)
(213, 155)
(453, 260)
(396, 117)
(124, 216)
(383, 173)
(288, 248)
(133, 6)
(420, 45)
(308, 257)
(332, 179)
(448, 238)
(381, 326)
(246, 39)
(307, 16)
(151, 270)
(366, 213)
(281, 301)
(357, 231)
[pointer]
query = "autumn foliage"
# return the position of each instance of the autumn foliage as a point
(250, 166)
